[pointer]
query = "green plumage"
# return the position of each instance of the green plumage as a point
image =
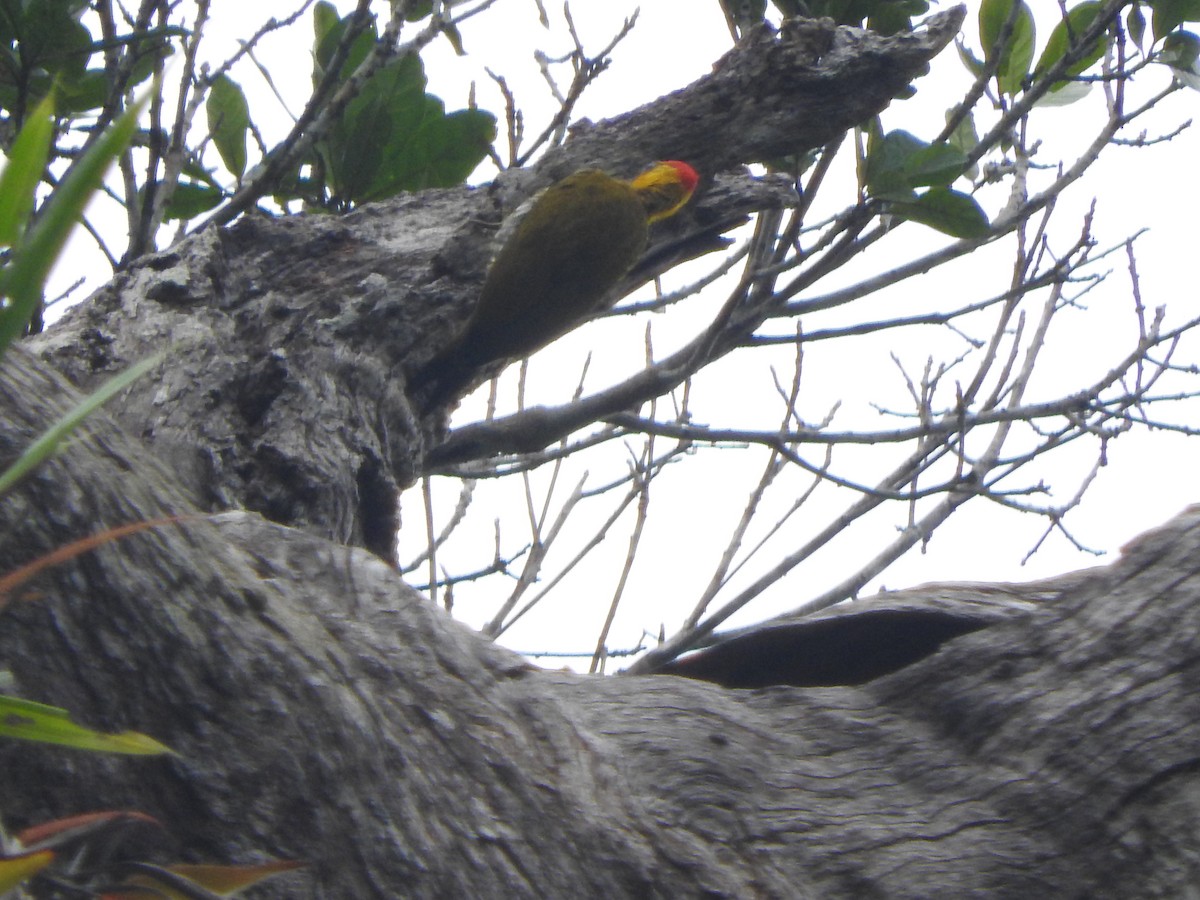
(577, 241)
(581, 236)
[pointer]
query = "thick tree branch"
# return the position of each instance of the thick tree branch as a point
(322, 711)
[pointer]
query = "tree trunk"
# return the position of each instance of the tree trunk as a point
(322, 710)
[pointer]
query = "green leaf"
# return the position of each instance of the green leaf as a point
(895, 16)
(46, 445)
(1170, 14)
(229, 122)
(454, 37)
(21, 867)
(207, 880)
(938, 164)
(329, 31)
(44, 45)
(1135, 24)
(899, 162)
(375, 126)
(87, 92)
(1017, 53)
(443, 152)
(29, 721)
(393, 136)
(403, 159)
(325, 19)
(965, 138)
(970, 61)
(1065, 37)
(22, 279)
(886, 160)
(1180, 51)
(150, 54)
(191, 199)
(950, 212)
(1064, 94)
(23, 173)
(52, 39)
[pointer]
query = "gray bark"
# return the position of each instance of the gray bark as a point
(321, 710)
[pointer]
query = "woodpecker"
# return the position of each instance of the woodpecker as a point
(579, 238)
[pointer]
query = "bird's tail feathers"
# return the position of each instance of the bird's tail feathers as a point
(441, 379)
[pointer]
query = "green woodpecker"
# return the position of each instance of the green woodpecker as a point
(580, 237)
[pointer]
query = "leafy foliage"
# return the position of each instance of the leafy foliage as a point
(1011, 52)
(45, 49)
(1064, 38)
(229, 123)
(1167, 15)
(884, 16)
(393, 136)
(23, 277)
(898, 163)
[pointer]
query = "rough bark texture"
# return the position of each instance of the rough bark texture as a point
(1041, 744)
(323, 711)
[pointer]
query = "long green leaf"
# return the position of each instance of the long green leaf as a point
(1017, 53)
(25, 275)
(26, 162)
(950, 212)
(1078, 19)
(29, 721)
(229, 123)
(43, 447)
(1170, 14)
(191, 199)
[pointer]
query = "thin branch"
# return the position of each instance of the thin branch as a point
(635, 538)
